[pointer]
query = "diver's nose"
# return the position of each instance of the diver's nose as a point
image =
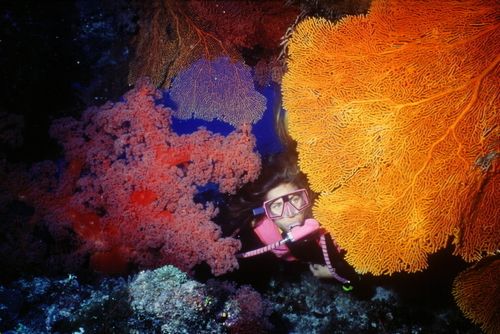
(289, 211)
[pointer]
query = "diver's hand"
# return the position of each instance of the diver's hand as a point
(320, 271)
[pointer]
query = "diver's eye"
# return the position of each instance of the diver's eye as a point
(296, 200)
(276, 207)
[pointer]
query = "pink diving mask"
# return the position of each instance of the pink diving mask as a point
(287, 205)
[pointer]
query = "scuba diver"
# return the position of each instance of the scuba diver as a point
(276, 208)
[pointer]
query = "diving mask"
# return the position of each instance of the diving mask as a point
(287, 205)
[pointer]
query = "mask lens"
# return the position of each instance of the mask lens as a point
(275, 208)
(298, 200)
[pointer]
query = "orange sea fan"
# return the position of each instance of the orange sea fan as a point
(396, 118)
(477, 293)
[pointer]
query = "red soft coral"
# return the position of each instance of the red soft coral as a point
(128, 190)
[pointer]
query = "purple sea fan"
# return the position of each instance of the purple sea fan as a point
(219, 89)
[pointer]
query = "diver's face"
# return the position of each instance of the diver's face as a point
(290, 217)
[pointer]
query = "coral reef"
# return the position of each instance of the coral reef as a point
(219, 89)
(161, 301)
(477, 293)
(396, 118)
(124, 197)
(166, 300)
(306, 305)
(179, 304)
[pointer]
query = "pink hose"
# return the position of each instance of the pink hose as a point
(263, 250)
(332, 271)
(324, 249)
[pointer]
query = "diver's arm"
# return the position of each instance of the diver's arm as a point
(335, 265)
(320, 270)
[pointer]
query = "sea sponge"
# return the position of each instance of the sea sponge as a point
(396, 119)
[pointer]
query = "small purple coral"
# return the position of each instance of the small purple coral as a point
(219, 89)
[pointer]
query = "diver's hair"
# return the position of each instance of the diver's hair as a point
(276, 169)
(281, 126)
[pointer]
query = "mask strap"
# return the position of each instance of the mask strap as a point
(258, 211)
